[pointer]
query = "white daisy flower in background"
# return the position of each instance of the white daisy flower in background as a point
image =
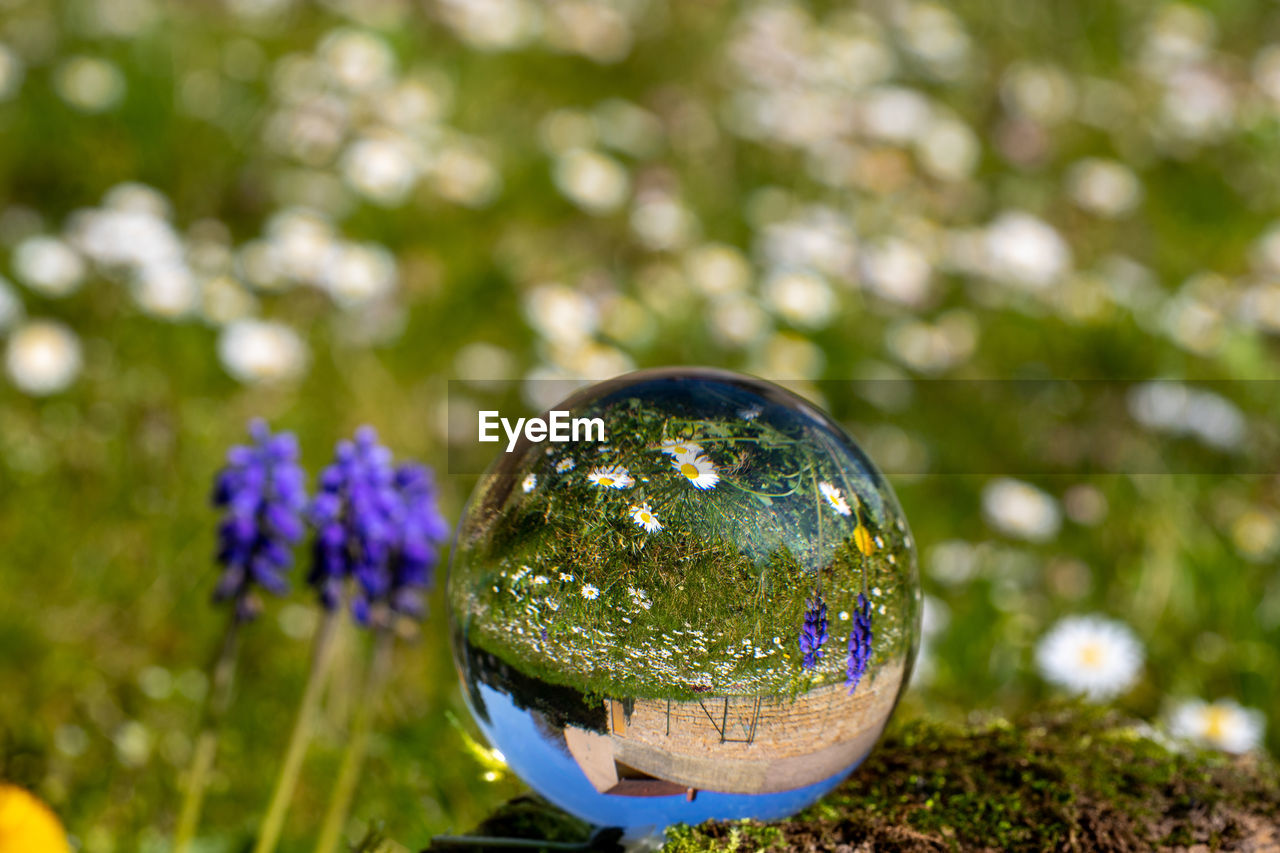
(359, 273)
(1093, 655)
(382, 168)
(1019, 509)
(539, 580)
(48, 266)
(565, 576)
(835, 497)
(225, 300)
(89, 84)
(595, 182)
(1224, 724)
(43, 357)
(699, 470)
(590, 591)
(262, 351)
(613, 477)
(168, 291)
(645, 518)
(565, 464)
(801, 298)
(1104, 187)
(680, 448)
(529, 483)
(356, 60)
(465, 175)
(1025, 251)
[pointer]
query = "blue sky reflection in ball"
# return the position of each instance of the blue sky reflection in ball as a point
(709, 614)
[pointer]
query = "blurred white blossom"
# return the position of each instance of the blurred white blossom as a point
(48, 266)
(1104, 187)
(43, 357)
(465, 175)
(382, 168)
(1224, 724)
(561, 314)
(802, 299)
(254, 351)
(357, 61)
(359, 273)
(1174, 408)
(1091, 655)
(715, 268)
(1026, 251)
(1021, 510)
(89, 83)
(595, 182)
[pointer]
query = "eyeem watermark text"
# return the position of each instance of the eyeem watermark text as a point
(558, 426)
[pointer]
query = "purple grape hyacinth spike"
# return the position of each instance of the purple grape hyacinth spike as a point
(813, 634)
(859, 643)
(262, 492)
(377, 525)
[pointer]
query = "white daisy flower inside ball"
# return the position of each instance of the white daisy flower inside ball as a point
(680, 448)
(613, 477)
(835, 498)
(699, 470)
(644, 518)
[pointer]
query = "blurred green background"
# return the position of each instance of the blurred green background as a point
(320, 213)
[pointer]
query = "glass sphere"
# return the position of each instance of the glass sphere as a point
(709, 614)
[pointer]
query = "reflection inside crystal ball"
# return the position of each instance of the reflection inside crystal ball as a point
(709, 614)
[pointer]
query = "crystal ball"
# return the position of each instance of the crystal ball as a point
(707, 611)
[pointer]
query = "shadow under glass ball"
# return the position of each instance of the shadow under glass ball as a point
(709, 614)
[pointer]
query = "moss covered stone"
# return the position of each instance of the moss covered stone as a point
(1069, 779)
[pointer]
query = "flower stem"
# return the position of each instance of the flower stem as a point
(357, 743)
(224, 669)
(300, 737)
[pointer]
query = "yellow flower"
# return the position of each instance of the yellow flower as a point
(28, 825)
(863, 540)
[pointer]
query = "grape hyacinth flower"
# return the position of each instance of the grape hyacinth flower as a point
(376, 523)
(262, 489)
(859, 643)
(421, 530)
(417, 529)
(355, 513)
(814, 633)
(262, 492)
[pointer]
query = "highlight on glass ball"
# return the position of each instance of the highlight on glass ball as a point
(708, 613)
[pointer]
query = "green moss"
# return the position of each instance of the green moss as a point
(1069, 779)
